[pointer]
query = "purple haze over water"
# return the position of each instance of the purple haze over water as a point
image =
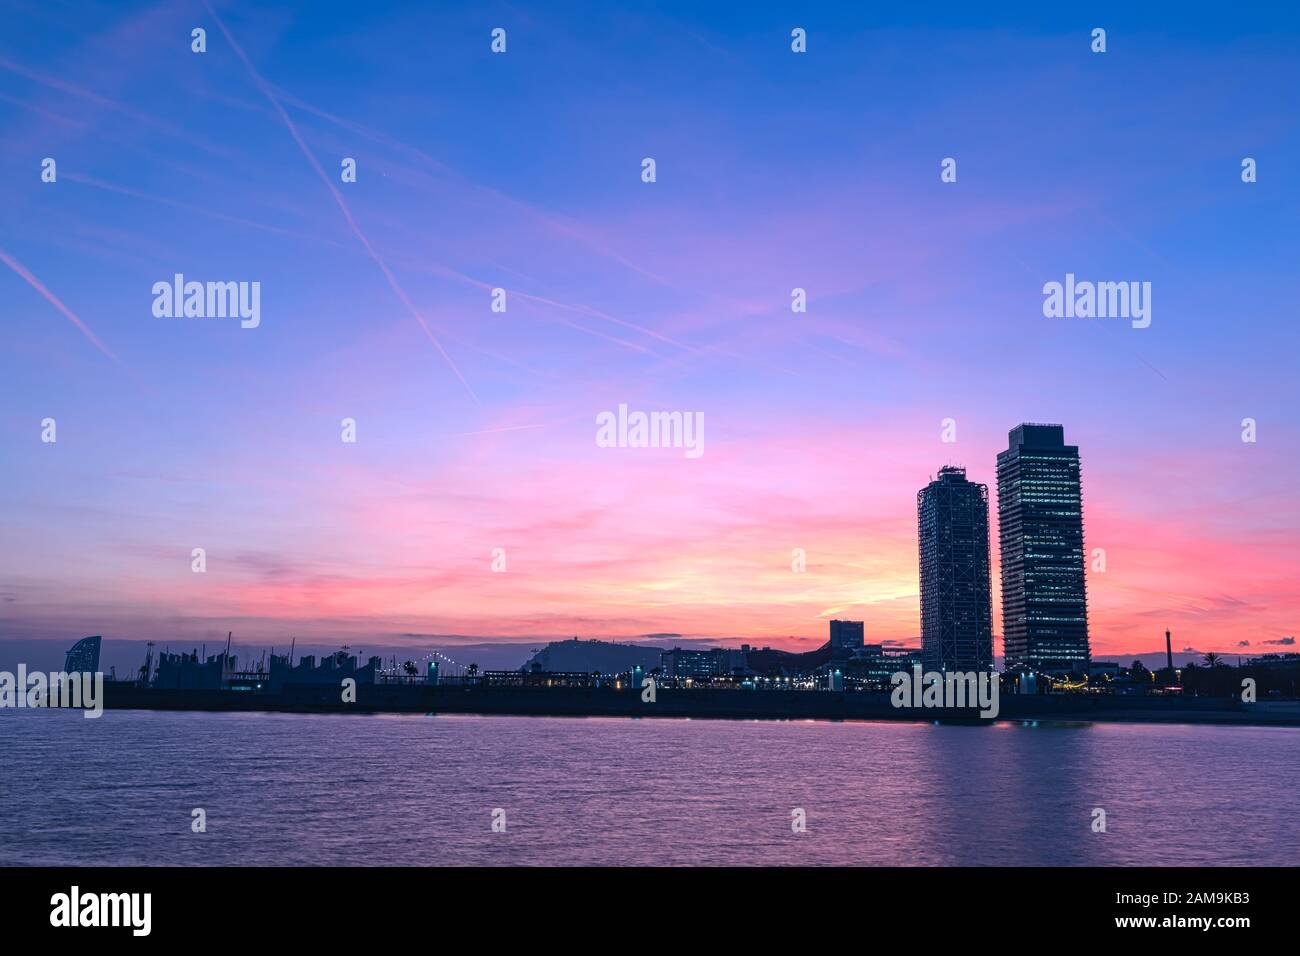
(413, 790)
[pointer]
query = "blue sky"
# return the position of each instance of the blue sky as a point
(522, 171)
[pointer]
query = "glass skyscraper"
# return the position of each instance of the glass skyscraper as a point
(956, 594)
(1040, 528)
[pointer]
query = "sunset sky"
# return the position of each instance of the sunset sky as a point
(476, 430)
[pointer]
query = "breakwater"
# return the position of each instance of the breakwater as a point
(693, 703)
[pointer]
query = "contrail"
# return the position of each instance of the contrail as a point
(505, 428)
(197, 210)
(55, 83)
(338, 198)
(53, 299)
